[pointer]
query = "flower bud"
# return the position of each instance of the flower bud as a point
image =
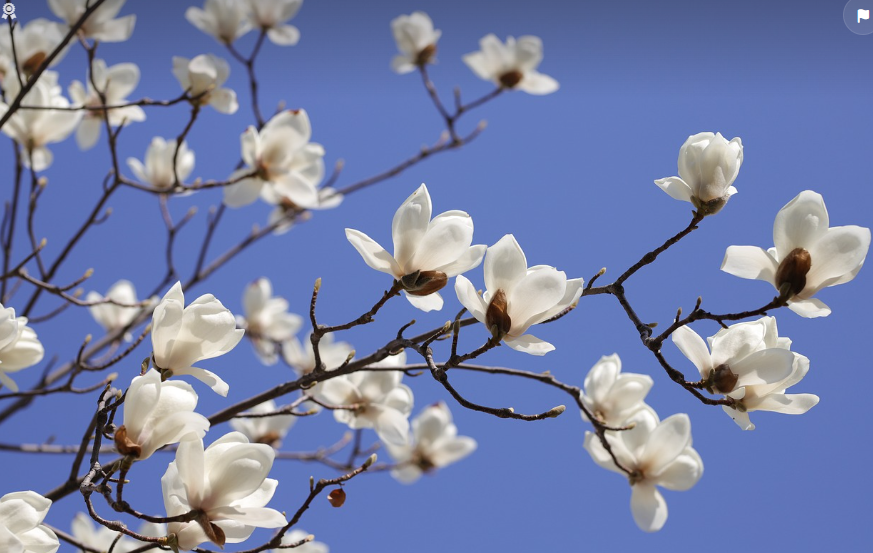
(496, 317)
(791, 274)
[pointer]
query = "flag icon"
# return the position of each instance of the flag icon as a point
(863, 14)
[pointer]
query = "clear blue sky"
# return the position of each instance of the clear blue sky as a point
(570, 174)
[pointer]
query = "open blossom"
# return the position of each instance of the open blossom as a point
(435, 444)
(158, 167)
(284, 215)
(808, 255)
(378, 399)
(34, 129)
(157, 413)
(286, 164)
(21, 527)
(116, 83)
(426, 252)
(302, 358)
(517, 296)
(264, 430)
(751, 364)
(267, 321)
(19, 346)
(611, 395)
(512, 65)
(297, 535)
(226, 20)
(110, 316)
(181, 335)
(708, 167)
(33, 44)
(101, 24)
(271, 16)
(228, 483)
(416, 39)
(657, 454)
(202, 77)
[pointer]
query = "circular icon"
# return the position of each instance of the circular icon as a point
(857, 16)
(9, 9)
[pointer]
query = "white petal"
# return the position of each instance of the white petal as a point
(676, 188)
(430, 302)
(211, 379)
(787, 404)
(447, 238)
(469, 298)
(537, 292)
(284, 35)
(666, 442)
(769, 366)
(648, 507)
(683, 473)
(410, 222)
(505, 265)
(840, 251)
(391, 425)
(537, 83)
(811, 308)
(453, 450)
(224, 101)
(374, 255)
(529, 343)
(801, 223)
(694, 348)
(750, 262)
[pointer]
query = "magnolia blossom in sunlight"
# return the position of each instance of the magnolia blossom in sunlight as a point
(416, 39)
(271, 15)
(426, 252)
(371, 399)
(110, 316)
(517, 296)
(226, 20)
(286, 212)
(19, 346)
(181, 336)
(267, 321)
(116, 83)
(295, 536)
(158, 167)
(202, 77)
(101, 24)
(751, 364)
(100, 537)
(302, 357)
(21, 527)
(512, 65)
(708, 167)
(34, 42)
(33, 129)
(613, 396)
(227, 482)
(264, 430)
(157, 413)
(435, 444)
(809, 255)
(286, 165)
(656, 454)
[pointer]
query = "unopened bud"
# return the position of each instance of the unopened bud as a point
(791, 273)
(496, 318)
(88, 273)
(43, 242)
(317, 284)
(111, 376)
(370, 460)
(556, 411)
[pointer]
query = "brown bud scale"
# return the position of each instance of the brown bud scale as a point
(423, 283)
(497, 319)
(793, 270)
(337, 497)
(723, 379)
(510, 79)
(125, 445)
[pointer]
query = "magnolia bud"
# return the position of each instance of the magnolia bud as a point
(496, 318)
(792, 272)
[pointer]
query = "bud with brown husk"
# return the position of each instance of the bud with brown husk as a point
(791, 274)
(510, 79)
(212, 531)
(125, 445)
(710, 207)
(424, 283)
(496, 317)
(425, 55)
(722, 380)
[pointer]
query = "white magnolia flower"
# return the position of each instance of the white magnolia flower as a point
(517, 296)
(287, 165)
(613, 396)
(21, 528)
(101, 24)
(181, 335)
(295, 536)
(751, 364)
(708, 167)
(19, 346)
(378, 400)
(110, 316)
(100, 538)
(158, 168)
(116, 83)
(808, 256)
(302, 357)
(157, 413)
(328, 198)
(264, 430)
(226, 20)
(657, 454)
(267, 321)
(271, 16)
(512, 65)
(36, 128)
(416, 39)
(426, 252)
(228, 483)
(435, 444)
(34, 42)
(202, 77)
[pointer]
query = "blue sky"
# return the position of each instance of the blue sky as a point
(570, 175)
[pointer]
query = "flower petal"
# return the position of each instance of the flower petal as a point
(676, 188)
(694, 348)
(374, 255)
(409, 225)
(666, 442)
(469, 298)
(430, 302)
(529, 343)
(750, 262)
(648, 507)
(801, 223)
(840, 251)
(810, 308)
(505, 265)
(683, 473)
